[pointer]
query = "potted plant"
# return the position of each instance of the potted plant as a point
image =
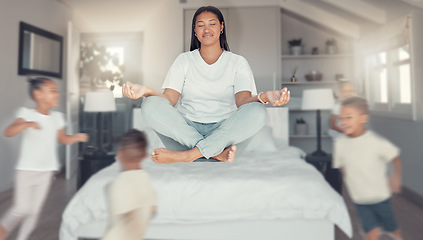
(295, 47)
(331, 46)
(301, 127)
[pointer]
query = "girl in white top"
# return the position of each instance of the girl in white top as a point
(218, 105)
(42, 128)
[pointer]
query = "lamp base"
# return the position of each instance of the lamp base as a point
(319, 153)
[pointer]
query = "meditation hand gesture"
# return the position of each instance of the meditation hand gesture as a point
(277, 98)
(134, 91)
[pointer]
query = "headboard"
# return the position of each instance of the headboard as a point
(277, 119)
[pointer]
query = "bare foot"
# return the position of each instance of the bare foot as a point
(228, 155)
(165, 156)
(3, 233)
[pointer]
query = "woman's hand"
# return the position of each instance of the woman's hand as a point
(134, 91)
(277, 98)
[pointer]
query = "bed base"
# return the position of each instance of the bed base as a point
(293, 229)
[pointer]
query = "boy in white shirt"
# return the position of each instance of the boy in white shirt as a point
(131, 196)
(363, 156)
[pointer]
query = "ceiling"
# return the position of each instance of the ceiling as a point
(113, 15)
(133, 15)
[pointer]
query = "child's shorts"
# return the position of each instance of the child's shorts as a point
(377, 215)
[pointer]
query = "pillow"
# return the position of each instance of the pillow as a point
(262, 142)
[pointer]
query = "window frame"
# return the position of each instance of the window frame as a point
(393, 108)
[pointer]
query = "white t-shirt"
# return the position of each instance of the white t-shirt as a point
(39, 146)
(207, 91)
(131, 197)
(364, 160)
(129, 191)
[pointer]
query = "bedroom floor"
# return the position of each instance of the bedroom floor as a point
(409, 215)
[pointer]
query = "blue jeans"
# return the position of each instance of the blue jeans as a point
(179, 133)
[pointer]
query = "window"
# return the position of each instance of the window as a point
(118, 53)
(388, 72)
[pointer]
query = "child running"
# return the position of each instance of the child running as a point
(363, 157)
(132, 199)
(42, 128)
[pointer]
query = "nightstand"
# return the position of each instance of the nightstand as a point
(320, 162)
(89, 165)
(324, 165)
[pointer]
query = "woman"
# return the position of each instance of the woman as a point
(218, 105)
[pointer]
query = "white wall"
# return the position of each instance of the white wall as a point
(46, 14)
(163, 41)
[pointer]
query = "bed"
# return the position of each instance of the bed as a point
(268, 193)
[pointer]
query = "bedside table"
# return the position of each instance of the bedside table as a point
(89, 165)
(324, 165)
(320, 162)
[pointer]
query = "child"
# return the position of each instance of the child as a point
(131, 196)
(346, 90)
(363, 156)
(42, 128)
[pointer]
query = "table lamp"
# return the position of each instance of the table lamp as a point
(99, 102)
(318, 99)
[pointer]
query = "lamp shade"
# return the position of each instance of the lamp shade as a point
(317, 99)
(99, 102)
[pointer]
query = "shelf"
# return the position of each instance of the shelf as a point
(327, 56)
(308, 136)
(310, 83)
(300, 110)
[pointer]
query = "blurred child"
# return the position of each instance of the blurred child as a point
(132, 199)
(42, 128)
(363, 157)
(346, 90)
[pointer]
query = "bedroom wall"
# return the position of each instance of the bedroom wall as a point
(407, 134)
(46, 14)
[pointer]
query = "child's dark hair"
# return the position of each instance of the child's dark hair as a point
(35, 84)
(133, 139)
(358, 103)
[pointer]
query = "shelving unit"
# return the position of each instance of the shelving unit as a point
(330, 65)
(317, 56)
(316, 83)
(308, 136)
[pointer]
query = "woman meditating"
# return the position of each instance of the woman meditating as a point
(210, 104)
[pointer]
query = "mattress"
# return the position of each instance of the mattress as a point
(268, 186)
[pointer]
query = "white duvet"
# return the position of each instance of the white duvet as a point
(277, 185)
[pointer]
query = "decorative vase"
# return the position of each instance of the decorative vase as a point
(296, 50)
(301, 129)
(330, 49)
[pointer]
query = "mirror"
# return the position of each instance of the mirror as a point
(40, 51)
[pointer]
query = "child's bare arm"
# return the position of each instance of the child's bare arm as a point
(63, 138)
(395, 180)
(342, 170)
(18, 126)
(333, 119)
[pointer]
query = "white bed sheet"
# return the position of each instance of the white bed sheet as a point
(277, 185)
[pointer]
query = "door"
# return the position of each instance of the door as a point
(72, 98)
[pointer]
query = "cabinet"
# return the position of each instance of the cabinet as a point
(89, 165)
